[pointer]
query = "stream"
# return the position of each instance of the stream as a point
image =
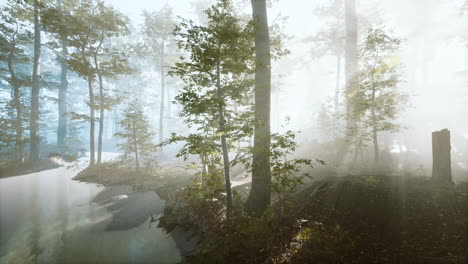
(46, 217)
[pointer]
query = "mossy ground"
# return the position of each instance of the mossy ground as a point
(391, 219)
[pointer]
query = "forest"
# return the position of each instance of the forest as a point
(234, 131)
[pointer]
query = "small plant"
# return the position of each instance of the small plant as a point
(286, 173)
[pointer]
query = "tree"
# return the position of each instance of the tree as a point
(36, 86)
(377, 99)
(331, 41)
(54, 17)
(108, 62)
(92, 23)
(135, 135)
(216, 77)
(14, 61)
(157, 29)
(260, 193)
(351, 58)
(7, 130)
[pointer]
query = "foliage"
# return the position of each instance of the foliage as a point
(331, 39)
(136, 138)
(329, 122)
(228, 41)
(245, 239)
(158, 51)
(377, 100)
(15, 71)
(73, 146)
(216, 99)
(157, 34)
(90, 27)
(285, 172)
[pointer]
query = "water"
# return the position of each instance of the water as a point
(47, 217)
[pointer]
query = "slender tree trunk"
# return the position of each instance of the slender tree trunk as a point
(137, 163)
(101, 126)
(62, 97)
(373, 117)
(19, 126)
(337, 94)
(91, 121)
(374, 130)
(260, 193)
(101, 100)
(224, 146)
(161, 109)
(36, 86)
(169, 110)
(101, 110)
(351, 59)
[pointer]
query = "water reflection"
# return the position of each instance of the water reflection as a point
(48, 218)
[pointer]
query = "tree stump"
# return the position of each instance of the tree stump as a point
(441, 160)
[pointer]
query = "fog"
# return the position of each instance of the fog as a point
(143, 131)
(433, 54)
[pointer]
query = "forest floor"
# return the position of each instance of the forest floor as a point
(389, 219)
(359, 219)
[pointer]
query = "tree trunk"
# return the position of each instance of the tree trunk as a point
(91, 121)
(374, 129)
(18, 126)
(137, 162)
(169, 111)
(101, 126)
(161, 109)
(337, 95)
(441, 166)
(36, 86)
(101, 113)
(260, 193)
(351, 59)
(101, 102)
(224, 146)
(62, 97)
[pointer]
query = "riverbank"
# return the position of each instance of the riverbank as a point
(134, 197)
(111, 174)
(49, 218)
(17, 169)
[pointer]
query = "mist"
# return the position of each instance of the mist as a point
(224, 131)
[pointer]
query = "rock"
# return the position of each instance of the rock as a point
(134, 210)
